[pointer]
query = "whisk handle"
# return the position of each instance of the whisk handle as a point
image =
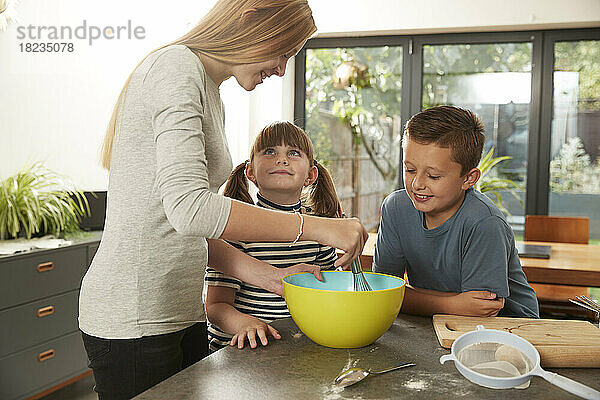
(354, 267)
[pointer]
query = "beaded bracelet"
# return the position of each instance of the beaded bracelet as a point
(301, 225)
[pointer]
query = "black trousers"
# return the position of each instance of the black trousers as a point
(124, 368)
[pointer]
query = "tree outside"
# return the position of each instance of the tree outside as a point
(366, 109)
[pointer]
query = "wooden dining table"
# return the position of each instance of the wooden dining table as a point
(569, 264)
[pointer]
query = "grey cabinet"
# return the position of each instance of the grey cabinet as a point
(40, 344)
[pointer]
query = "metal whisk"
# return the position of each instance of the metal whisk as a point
(360, 282)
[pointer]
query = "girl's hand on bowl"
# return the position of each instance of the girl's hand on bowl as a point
(280, 273)
(250, 330)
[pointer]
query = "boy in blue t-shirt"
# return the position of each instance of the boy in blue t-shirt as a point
(452, 241)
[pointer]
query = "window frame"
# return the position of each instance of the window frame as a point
(547, 94)
(542, 88)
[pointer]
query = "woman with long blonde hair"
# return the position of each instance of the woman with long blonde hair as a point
(140, 309)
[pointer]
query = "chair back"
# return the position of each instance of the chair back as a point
(544, 228)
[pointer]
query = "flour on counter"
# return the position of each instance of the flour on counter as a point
(439, 382)
(351, 363)
(332, 393)
(416, 384)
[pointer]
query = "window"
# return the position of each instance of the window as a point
(353, 107)
(494, 81)
(575, 141)
(538, 94)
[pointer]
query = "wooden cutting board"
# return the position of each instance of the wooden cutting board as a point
(561, 343)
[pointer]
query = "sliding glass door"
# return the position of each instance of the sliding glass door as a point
(538, 94)
(575, 138)
(494, 81)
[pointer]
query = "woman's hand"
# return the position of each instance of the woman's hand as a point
(251, 328)
(276, 278)
(346, 234)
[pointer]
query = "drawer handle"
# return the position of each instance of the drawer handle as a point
(47, 266)
(46, 355)
(42, 312)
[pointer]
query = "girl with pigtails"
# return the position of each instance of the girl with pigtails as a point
(289, 179)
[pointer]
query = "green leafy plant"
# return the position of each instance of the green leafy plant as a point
(490, 184)
(38, 201)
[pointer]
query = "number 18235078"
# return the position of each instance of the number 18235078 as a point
(46, 47)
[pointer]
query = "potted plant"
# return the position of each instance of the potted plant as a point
(492, 185)
(36, 201)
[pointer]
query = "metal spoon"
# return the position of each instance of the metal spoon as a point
(355, 375)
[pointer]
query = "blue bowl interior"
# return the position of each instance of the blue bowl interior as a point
(342, 281)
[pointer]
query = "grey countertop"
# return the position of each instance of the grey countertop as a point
(297, 368)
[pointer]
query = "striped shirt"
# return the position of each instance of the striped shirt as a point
(255, 301)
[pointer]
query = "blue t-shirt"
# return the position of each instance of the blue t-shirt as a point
(473, 250)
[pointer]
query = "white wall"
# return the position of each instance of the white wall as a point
(352, 17)
(55, 107)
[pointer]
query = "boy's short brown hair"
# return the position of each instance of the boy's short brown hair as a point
(448, 126)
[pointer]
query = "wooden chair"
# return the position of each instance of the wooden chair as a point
(554, 299)
(543, 228)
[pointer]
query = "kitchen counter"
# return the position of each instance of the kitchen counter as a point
(297, 368)
(82, 238)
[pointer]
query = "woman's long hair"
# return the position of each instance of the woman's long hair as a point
(274, 28)
(320, 197)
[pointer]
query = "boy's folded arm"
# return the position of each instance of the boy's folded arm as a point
(425, 302)
(428, 302)
(484, 278)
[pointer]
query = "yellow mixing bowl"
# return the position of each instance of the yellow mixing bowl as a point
(333, 315)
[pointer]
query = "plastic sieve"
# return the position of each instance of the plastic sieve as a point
(501, 360)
